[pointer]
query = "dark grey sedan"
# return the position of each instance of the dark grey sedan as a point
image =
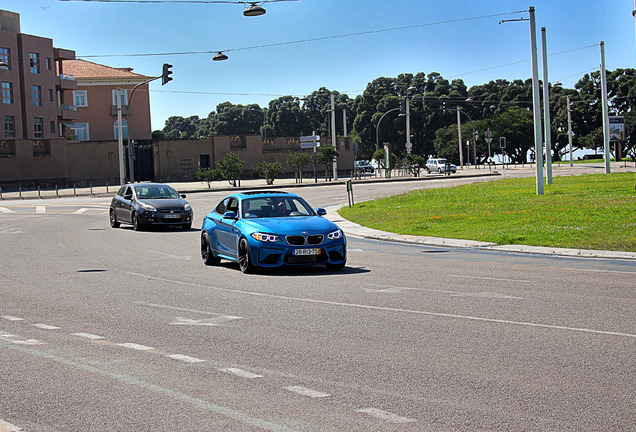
(144, 204)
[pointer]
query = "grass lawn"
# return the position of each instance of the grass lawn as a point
(585, 212)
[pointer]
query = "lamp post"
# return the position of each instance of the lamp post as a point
(333, 134)
(546, 109)
(570, 130)
(606, 152)
(475, 134)
(377, 126)
(409, 146)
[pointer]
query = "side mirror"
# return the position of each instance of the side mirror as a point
(182, 195)
(229, 215)
(321, 211)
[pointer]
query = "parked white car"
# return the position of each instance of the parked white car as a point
(439, 165)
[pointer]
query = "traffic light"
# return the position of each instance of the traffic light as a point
(443, 106)
(402, 107)
(165, 75)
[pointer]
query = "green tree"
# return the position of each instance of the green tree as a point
(415, 163)
(209, 175)
(268, 170)
(231, 167)
(298, 161)
(325, 156)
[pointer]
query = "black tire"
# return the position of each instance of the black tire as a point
(137, 225)
(206, 253)
(113, 219)
(428, 171)
(439, 170)
(244, 258)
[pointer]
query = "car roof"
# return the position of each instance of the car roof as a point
(261, 194)
(148, 184)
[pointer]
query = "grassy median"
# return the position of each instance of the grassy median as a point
(585, 212)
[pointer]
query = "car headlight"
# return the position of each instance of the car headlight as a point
(334, 235)
(187, 207)
(271, 238)
(147, 207)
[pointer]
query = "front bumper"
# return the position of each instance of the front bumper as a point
(264, 255)
(158, 218)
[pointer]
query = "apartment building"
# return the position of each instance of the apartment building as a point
(32, 105)
(98, 88)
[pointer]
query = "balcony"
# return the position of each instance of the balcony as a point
(125, 109)
(69, 112)
(67, 82)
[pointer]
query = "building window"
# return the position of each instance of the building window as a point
(79, 97)
(50, 95)
(7, 93)
(4, 58)
(36, 95)
(81, 131)
(48, 63)
(124, 129)
(37, 127)
(34, 61)
(9, 126)
(123, 97)
(52, 127)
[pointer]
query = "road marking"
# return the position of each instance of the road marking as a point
(487, 295)
(12, 318)
(6, 210)
(135, 346)
(600, 271)
(355, 250)
(160, 306)
(14, 339)
(306, 392)
(385, 415)
(87, 336)
(217, 321)
(46, 327)
(389, 309)
(81, 211)
(491, 278)
(240, 373)
(40, 209)
(184, 358)
(393, 288)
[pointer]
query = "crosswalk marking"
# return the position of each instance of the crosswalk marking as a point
(6, 210)
(81, 211)
(40, 209)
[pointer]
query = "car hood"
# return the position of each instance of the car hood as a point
(165, 204)
(291, 225)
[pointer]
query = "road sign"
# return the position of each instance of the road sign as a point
(310, 141)
(488, 136)
(408, 146)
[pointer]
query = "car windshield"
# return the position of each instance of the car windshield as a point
(278, 206)
(156, 192)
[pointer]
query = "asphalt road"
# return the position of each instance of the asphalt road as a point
(107, 329)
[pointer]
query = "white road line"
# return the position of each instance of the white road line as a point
(184, 358)
(306, 392)
(81, 211)
(136, 346)
(599, 271)
(487, 294)
(40, 209)
(14, 339)
(6, 210)
(240, 373)
(393, 288)
(385, 415)
(388, 309)
(490, 278)
(12, 318)
(355, 250)
(87, 336)
(46, 327)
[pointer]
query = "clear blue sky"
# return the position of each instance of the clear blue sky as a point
(420, 38)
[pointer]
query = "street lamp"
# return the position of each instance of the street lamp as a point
(220, 56)
(254, 10)
(409, 146)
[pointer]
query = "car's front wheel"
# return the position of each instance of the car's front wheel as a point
(113, 219)
(206, 253)
(136, 223)
(244, 258)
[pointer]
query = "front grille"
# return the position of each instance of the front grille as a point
(175, 211)
(315, 239)
(299, 240)
(295, 240)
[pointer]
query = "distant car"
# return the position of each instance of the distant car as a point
(364, 166)
(271, 229)
(144, 204)
(439, 165)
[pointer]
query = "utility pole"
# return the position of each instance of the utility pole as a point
(333, 135)
(546, 109)
(459, 129)
(606, 144)
(120, 140)
(570, 130)
(536, 103)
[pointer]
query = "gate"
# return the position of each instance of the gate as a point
(144, 164)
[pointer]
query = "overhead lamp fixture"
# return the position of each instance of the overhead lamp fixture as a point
(220, 56)
(254, 10)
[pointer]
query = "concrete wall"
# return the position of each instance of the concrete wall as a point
(64, 162)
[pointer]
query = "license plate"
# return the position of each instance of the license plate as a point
(172, 216)
(312, 251)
